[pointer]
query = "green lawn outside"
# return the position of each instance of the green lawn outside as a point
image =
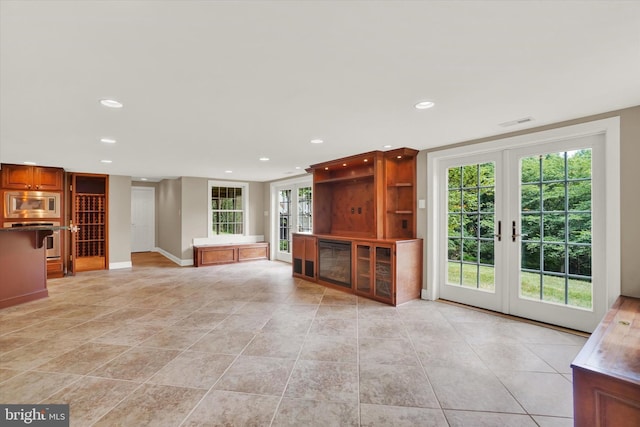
(553, 287)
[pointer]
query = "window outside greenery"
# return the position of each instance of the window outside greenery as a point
(556, 228)
(471, 217)
(227, 210)
(305, 224)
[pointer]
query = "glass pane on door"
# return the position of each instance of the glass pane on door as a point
(284, 203)
(555, 206)
(471, 219)
(304, 210)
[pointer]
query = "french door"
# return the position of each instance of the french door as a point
(293, 216)
(522, 231)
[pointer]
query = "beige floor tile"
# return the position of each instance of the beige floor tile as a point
(325, 381)
(130, 334)
(381, 328)
(330, 349)
(87, 331)
(487, 419)
(125, 314)
(160, 317)
(36, 353)
(34, 387)
(223, 307)
(510, 357)
(90, 398)
(193, 369)
(333, 326)
(5, 374)
(14, 341)
(223, 341)
(471, 389)
(447, 354)
(153, 405)
(387, 351)
(239, 323)
(259, 375)
(338, 298)
(201, 320)
(396, 386)
(540, 393)
(83, 359)
(559, 356)
(553, 421)
(275, 345)
(345, 312)
(226, 408)
(174, 338)
(137, 364)
(289, 326)
(303, 412)
(400, 416)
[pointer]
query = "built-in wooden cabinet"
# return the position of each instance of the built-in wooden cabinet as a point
(35, 178)
(606, 372)
(89, 212)
(368, 203)
(225, 254)
(305, 249)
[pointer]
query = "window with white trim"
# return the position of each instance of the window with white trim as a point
(228, 203)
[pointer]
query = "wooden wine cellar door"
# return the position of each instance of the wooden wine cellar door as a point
(89, 212)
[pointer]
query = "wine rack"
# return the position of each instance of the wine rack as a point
(90, 215)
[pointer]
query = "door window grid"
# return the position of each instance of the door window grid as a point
(227, 212)
(284, 203)
(305, 224)
(556, 228)
(471, 218)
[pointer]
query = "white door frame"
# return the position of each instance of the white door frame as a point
(153, 224)
(275, 187)
(609, 127)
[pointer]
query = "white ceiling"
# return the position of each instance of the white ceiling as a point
(210, 86)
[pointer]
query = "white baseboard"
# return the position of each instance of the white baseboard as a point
(119, 265)
(180, 262)
(424, 294)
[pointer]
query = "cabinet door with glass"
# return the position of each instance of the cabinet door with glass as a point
(374, 271)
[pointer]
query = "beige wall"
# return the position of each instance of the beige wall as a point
(169, 212)
(629, 199)
(119, 219)
(194, 213)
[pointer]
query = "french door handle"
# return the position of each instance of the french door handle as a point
(499, 235)
(513, 231)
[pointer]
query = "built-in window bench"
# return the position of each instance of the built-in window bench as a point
(226, 253)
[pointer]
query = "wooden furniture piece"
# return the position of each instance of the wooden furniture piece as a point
(89, 212)
(23, 264)
(226, 254)
(36, 178)
(305, 256)
(606, 372)
(367, 202)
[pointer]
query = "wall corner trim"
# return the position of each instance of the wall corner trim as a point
(180, 262)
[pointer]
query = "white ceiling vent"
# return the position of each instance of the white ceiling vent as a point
(516, 122)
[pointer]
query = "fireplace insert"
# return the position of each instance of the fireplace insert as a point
(335, 262)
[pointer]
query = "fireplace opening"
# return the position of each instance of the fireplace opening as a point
(335, 262)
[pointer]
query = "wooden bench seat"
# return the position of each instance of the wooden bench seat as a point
(229, 253)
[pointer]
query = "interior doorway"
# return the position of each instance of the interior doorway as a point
(143, 219)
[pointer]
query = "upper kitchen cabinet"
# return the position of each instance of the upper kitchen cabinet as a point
(35, 178)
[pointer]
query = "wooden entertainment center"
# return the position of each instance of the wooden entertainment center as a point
(364, 227)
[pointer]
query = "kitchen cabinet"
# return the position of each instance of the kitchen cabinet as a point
(90, 214)
(304, 256)
(35, 178)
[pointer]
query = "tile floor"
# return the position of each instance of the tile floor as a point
(248, 345)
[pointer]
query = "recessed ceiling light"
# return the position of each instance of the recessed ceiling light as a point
(106, 161)
(111, 103)
(317, 141)
(423, 105)
(143, 179)
(228, 171)
(386, 146)
(264, 159)
(108, 140)
(30, 163)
